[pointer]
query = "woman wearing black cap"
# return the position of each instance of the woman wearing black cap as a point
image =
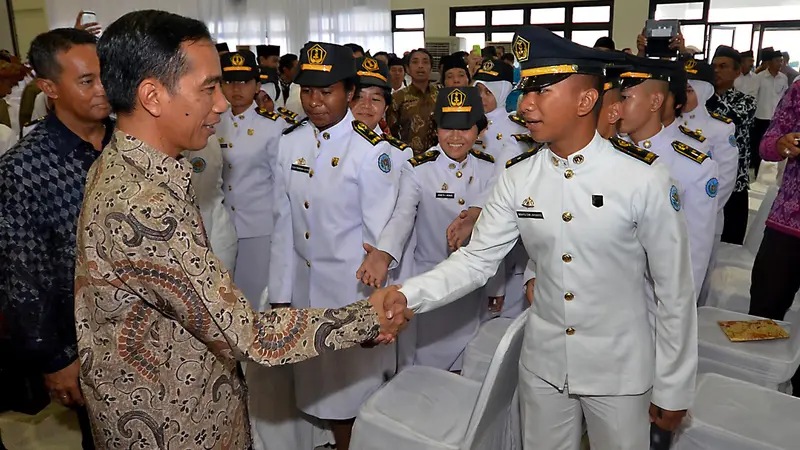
(335, 189)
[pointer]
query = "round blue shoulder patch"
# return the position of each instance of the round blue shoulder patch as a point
(385, 163)
(198, 164)
(712, 187)
(674, 198)
(732, 140)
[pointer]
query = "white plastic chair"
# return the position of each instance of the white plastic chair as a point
(731, 414)
(769, 364)
(480, 350)
(423, 408)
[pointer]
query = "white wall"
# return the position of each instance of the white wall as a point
(30, 20)
(629, 15)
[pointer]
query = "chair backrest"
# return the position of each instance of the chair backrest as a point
(756, 230)
(492, 407)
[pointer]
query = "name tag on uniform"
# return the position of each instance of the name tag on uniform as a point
(299, 168)
(223, 145)
(445, 195)
(530, 215)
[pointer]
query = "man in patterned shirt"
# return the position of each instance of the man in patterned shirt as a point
(41, 189)
(160, 325)
(732, 105)
(410, 117)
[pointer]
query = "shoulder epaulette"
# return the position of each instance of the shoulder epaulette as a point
(517, 119)
(632, 150)
(481, 155)
(525, 138)
(296, 126)
(287, 113)
(362, 129)
(721, 118)
(269, 115)
(692, 134)
(527, 154)
(689, 152)
(34, 122)
(428, 156)
(290, 121)
(397, 143)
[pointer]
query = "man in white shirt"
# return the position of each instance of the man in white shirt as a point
(771, 86)
(747, 82)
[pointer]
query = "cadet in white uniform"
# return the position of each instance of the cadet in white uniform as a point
(696, 174)
(394, 255)
(335, 189)
(249, 139)
(589, 350)
(494, 80)
(207, 184)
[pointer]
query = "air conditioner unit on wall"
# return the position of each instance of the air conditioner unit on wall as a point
(443, 46)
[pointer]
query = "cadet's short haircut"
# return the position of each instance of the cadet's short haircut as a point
(45, 48)
(355, 48)
(286, 62)
(145, 44)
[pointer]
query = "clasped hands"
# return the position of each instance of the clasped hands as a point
(393, 313)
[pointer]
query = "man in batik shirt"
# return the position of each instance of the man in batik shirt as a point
(410, 117)
(160, 325)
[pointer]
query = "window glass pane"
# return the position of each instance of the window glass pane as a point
(502, 37)
(405, 41)
(473, 39)
(559, 33)
(753, 11)
(410, 21)
(470, 18)
(694, 35)
(588, 14)
(785, 40)
(507, 17)
(548, 15)
(682, 11)
(588, 37)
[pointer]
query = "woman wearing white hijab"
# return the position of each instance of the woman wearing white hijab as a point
(494, 80)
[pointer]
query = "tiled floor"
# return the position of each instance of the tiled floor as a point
(55, 428)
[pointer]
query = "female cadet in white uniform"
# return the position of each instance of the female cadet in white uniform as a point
(249, 139)
(446, 179)
(495, 81)
(335, 189)
(393, 257)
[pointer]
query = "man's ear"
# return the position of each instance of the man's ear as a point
(152, 95)
(587, 101)
(614, 112)
(48, 87)
(657, 100)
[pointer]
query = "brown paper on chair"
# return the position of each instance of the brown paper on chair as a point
(752, 330)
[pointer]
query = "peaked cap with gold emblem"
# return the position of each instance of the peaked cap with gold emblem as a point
(239, 66)
(699, 70)
(643, 69)
(372, 72)
(546, 58)
(323, 64)
(495, 70)
(459, 108)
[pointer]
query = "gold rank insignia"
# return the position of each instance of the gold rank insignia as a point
(250, 131)
(444, 187)
(301, 162)
(527, 203)
(335, 161)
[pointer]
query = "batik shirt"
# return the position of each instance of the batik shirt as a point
(785, 213)
(160, 324)
(410, 117)
(41, 189)
(741, 109)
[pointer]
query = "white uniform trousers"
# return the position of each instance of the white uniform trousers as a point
(552, 419)
(227, 256)
(276, 422)
(252, 269)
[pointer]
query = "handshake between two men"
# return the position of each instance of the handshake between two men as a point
(393, 313)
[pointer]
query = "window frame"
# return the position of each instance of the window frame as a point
(567, 27)
(406, 12)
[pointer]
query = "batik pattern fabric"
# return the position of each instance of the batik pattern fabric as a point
(741, 109)
(410, 117)
(160, 325)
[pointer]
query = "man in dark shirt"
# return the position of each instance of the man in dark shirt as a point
(41, 190)
(739, 108)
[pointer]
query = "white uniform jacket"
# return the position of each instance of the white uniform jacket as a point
(249, 143)
(590, 223)
(498, 133)
(335, 190)
(698, 186)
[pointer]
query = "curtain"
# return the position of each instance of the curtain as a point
(288, 23)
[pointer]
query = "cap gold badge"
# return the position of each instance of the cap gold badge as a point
(371, 69)
(237, 59)
(522, 48)
(316, 57)
(370, 64)
(456, 99)
(690, 66)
